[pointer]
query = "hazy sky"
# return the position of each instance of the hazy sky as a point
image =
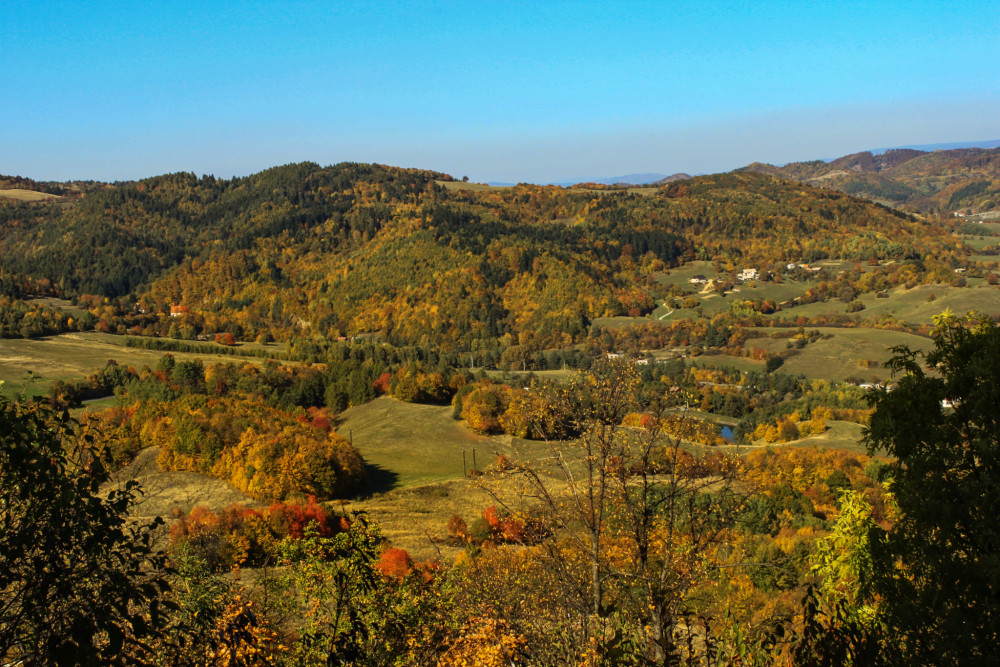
(511, 91)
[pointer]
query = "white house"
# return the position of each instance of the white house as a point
(748, 274)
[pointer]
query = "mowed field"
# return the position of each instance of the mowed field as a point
(30, 366)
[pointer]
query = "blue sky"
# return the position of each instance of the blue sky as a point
(512, 91)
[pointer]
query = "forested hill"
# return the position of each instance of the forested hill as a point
(964, 179)
(304, 250)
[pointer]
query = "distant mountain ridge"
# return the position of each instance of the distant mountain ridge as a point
(939, 181)
(631, 179)
(992, 143)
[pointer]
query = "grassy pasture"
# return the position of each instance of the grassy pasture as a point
(839, 435)
(415, 456)
(914, 306)
(453, 186)
(415, 517)
(682, 274)
(30, 366)
(167, 492)
(837, 358)
(408, 444)
(19, 194)
(979, 242)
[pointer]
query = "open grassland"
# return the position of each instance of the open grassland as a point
(415, 456)
(415, 518)
(166, 493)
(683, 274)
(407, 444)
(619, 322)
(94, 405)
(915, 306)
(837, 357)
(712, 303)
(839, 435)
(31, 365)
(18, 194)
(979, 242)
(453, 186)
(918, 305)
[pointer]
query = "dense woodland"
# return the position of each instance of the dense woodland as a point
(646, 534)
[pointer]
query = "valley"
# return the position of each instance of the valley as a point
(448, 370)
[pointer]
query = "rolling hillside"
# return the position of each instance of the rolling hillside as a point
(359, 250)
(945, 181)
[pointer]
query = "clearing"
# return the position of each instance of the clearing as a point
(29, 366)
(19, 194)
(837, 357)
(408, 444)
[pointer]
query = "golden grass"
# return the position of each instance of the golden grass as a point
(18, 194)
(31, 365)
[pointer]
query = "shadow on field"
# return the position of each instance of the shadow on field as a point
(380, 480)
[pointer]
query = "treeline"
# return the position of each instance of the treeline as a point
(28, 319)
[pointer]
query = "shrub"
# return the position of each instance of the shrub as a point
(395, 563)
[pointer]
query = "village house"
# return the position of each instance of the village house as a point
(748, 274)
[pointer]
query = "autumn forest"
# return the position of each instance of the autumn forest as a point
(692, 423)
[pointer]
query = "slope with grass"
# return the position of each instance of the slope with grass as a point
(409, 444)
(30, 366)
(838, 355)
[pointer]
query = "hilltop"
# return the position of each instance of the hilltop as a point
(942, 181)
